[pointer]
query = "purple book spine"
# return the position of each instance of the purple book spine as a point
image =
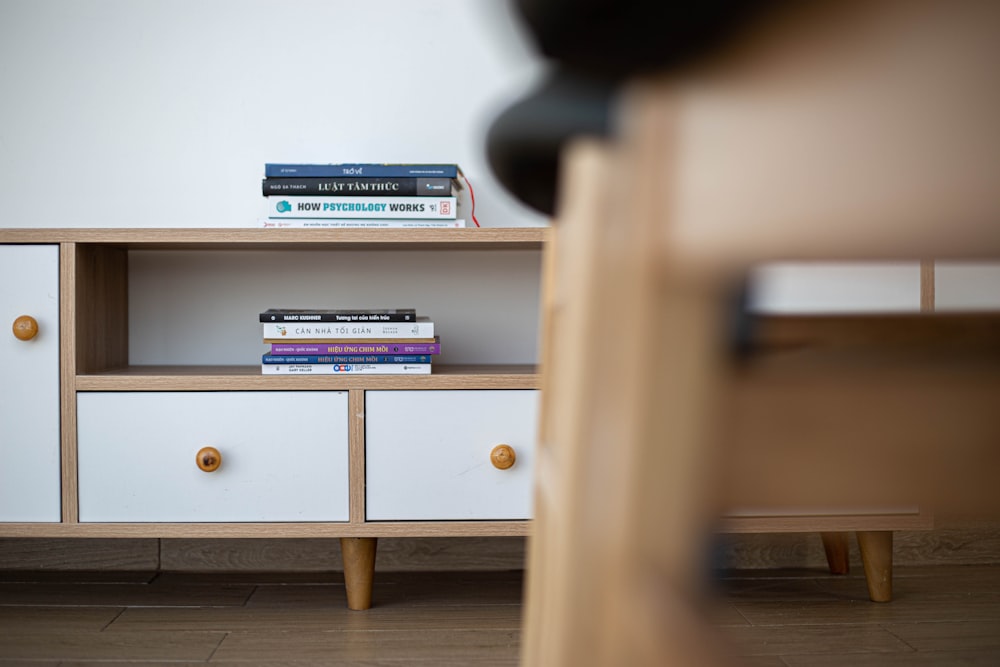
(355, 348)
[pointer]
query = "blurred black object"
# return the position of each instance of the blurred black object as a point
(594, 46)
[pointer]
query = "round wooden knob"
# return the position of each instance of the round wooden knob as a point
(503, 457)
(209, 459)
(25, 327)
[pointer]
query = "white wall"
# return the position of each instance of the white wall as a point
(162, 113)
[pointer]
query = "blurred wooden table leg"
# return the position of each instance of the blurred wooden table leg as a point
(624, 466)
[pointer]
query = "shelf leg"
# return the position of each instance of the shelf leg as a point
(359, 570)
(838, 554)
(876, 555)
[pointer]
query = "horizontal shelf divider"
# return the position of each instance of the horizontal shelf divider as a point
(249, 378)
(482, 238)
(494, 528)
(270, 530)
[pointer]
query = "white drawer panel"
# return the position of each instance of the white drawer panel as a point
(427, 454)
(29, 392)
(284, 456)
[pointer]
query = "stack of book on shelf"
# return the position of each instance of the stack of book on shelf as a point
(362, 195)
(347, 342)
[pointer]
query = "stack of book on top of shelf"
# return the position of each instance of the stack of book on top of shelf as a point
(347, 342)
(362, 195)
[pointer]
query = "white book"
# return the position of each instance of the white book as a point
(351, 223)
(422, 208)
(345, 369)
(422, 328)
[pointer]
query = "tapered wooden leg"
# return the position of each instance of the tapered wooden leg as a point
(359, 570)
(838, 554)
(876, 555)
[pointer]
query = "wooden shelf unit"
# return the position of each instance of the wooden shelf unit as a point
(94, 357)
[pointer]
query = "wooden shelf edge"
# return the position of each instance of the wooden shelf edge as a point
(492, 528)
(270, 530)
(248, 378)
(825, 523)
(194, 237)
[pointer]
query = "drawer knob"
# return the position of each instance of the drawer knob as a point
(209, 459)
(25, 327)
(503, 457)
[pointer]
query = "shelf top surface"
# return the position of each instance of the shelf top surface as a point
(495, 237)
(249, 378)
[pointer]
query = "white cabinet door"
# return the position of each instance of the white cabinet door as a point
(284, 456)
(29, 390)
(427, 454)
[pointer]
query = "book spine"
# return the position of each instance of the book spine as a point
(362, 170)
(318, 223)
(367, 339)
(346, 359)
(354, 330)
(345, 369)
(359, 187)
(434, 208)
(356, 348)
(394, 315)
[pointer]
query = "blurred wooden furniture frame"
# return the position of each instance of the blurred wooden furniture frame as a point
(792, 147)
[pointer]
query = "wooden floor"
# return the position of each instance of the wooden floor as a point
(942, 615)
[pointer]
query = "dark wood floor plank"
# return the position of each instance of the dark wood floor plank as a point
(942, 615)
(335, 619)
(78, 576)
(67, 619)
(412, 647)
(958, 658)
(942, 635)
(123, 595)
(406, 589)
(949, 583)
(810, 639)
(134, 663)
(134, 646)
(853, 611)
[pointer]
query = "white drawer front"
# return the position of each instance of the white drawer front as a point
(427, 454)
(284, 456)
(29, 392)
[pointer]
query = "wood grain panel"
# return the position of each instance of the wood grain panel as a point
(330, 614)
(489, 238)
(928, 286)
(465, 647)
(101, 307)
(133, 647)
(249, 378)
(78, 554)
(356, 462)
(955, 542)
(394, 554)
(67, 381)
